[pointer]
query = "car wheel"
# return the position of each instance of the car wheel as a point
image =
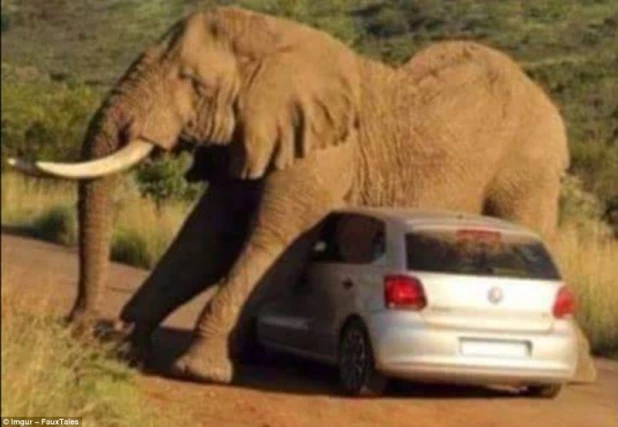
(547, 391)
(357, 373)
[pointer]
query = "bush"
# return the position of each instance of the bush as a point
(42, 118)
(576, 204)
(5, 22)
(131, 248)
(580, 208)
(387, 22)
(332, 16)
(597, 165)
(163, 179)
(57, 224)
(8, 8)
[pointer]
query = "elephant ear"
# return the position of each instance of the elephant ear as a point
(299, 94)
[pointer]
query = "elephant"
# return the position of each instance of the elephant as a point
(296, 124)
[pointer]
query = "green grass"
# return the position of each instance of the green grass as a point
(45, 372)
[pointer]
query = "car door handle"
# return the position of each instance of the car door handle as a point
(347, 284)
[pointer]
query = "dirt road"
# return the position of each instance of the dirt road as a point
(287, 392)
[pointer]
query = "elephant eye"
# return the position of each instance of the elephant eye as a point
(198, 84)
(186, 73)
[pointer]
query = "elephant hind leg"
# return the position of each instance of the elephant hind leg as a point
(527, 199)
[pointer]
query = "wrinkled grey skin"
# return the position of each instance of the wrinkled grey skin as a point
(306, 126)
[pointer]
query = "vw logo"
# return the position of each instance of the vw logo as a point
(495, 295)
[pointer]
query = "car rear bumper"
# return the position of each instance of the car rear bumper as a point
(404, 347)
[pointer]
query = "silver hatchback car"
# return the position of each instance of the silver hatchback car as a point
(428, 296)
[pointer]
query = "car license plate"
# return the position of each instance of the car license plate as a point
(507, 349)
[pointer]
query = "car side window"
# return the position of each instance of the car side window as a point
(350, 239)
(325, 248)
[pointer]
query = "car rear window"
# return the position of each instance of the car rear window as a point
(479, 252)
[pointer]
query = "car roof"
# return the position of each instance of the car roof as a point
(438, 218)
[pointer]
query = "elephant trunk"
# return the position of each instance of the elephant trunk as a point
(113, 142)
(95, 213)
(94, 216)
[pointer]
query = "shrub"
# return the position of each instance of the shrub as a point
(597, 165)
(58, 224)
(575, 202)
(163, 179)
(5, 22)
(43, 118)
(130, 248)
(387, 22)
(8, 9)
(331, 16)
(580, 208)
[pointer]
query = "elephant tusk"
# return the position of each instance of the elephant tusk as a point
(122, 159)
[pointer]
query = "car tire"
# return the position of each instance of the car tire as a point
(356, 366)
(546, 391)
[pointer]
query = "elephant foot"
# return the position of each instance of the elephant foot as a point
(134, 355)
(205, 361)
(83, 322)
(133, 342)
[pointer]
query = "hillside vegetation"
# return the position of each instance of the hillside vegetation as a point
(60, 56)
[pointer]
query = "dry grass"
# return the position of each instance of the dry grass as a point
(142, 232)
(589, 261)
(45, 372)
(25, 198)
(46, 209)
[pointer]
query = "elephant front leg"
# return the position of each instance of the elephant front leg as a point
(203, 252)
(289, 208)
(208, 358)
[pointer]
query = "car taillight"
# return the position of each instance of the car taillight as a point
(404, 292)
(564, 305)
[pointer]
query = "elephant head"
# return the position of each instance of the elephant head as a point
(265, 90)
